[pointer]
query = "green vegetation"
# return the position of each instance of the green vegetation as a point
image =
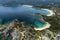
(1, 36)
(7, 38)
(55, 22)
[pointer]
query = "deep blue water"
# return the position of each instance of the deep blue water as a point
(23, 13)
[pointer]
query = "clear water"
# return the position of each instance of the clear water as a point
(22, 13)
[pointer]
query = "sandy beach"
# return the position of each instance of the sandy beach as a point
(51, 12)
(47, 25)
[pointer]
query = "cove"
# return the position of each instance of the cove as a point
(23, 13)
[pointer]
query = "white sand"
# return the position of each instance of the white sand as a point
(47, 25)
(28, 5)
(51, 12)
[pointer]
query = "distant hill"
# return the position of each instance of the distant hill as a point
(32, 2)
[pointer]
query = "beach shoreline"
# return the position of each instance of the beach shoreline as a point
(51, 12)
(47, 25)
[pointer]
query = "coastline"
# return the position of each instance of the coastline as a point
(51, 12)
(47, 25)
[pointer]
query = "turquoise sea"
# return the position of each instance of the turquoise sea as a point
(23, 13)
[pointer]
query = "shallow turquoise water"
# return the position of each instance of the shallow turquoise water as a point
(39, 24)
(43, 12)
